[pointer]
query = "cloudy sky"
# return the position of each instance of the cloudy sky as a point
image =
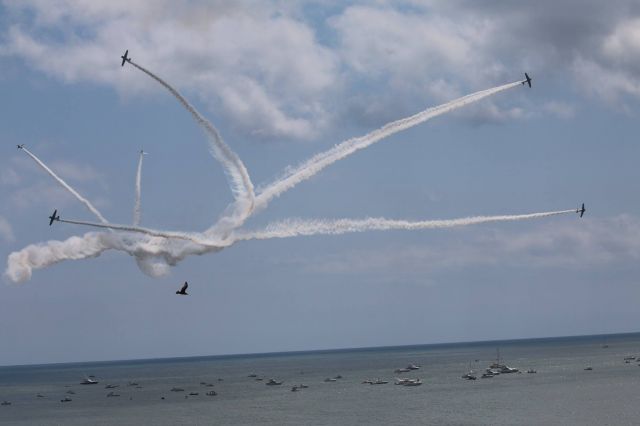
(283, 81)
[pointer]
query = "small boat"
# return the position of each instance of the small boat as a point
(194, 393)
(367, 382)
(379, 382)
(70, 392)
(132, 384)
(112, 394)
(252, 375)
(66, 399)
(5, 403)
(203, 383)
(294, 389)
(629, 358)
(89, 381)
(408, 382)
(303, 386)
(338, 377)
(487, 375)
(174, 389)
(401, 370)
(111, 386)
(211, 393)
(413, 367)
(40, 395)
(469, 376)
(273, 382)
(328, 379)
(531, 371)
(208, 385)
(588, 369)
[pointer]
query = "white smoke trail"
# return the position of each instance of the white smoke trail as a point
(195, 238)
(165, 252)
(137, 205)
(241, 184)
(298, 227)
(320, 161)
(66, 186)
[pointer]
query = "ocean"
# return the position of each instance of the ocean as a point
(562, 392)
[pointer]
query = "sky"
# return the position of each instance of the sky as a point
(282, 81)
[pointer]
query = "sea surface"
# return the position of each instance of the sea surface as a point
(562, 392)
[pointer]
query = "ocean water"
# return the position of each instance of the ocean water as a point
(560, 393)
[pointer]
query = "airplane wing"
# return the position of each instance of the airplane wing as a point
(184, 287)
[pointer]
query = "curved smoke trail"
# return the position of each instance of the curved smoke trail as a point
(156, 254)
(65, 185)
(137, 205)
(318, 162)
(241, 184)
(298, 227)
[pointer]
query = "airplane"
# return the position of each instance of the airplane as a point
(528, 80)
(125, 58)
(143, 152)
(20, 146)
(183, 290)
(53, 217)
(582, 210)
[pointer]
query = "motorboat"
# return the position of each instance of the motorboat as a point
(89, 381)
(401, 370)
(111, 386)
(413, 382)
(5, 403)
(174, 389)
(413, 367)
(379, 382)
(66, 399)
(329, 379)
(272, 382)
(469, 376)
(194, 393)
(531, 371)
(211, 393)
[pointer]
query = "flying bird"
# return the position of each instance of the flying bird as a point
(183, 290)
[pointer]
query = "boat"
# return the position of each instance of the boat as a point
(487, 375)
(70, 392)
(132, 384)
(112, 394)
(40, 395)
(469, 376)
(294, 389)
(408, 382)
(531, 371)
(272, 382)
(111, 386)
(66, 399)
(5, 403)
(194, 393)
(89, 381)
(303, 386)
(501, 368)
(174, 389)
(252, 375)
(329, 379)
(211, 393)
(588, 369)
(413, 367)
(401, 370)
(379, 382)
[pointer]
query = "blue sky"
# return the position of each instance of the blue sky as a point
(282, 82)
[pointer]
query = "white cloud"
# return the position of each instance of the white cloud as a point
(6, 232)
(264, 68)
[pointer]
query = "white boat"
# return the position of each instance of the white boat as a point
(89, 381)
(273, 382)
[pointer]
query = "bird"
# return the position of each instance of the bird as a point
(183, 290)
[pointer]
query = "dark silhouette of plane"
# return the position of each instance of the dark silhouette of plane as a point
(125, 58)
(582, 210)
(527, 81)
(183, 290)
(20, 146)
(53, 217)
